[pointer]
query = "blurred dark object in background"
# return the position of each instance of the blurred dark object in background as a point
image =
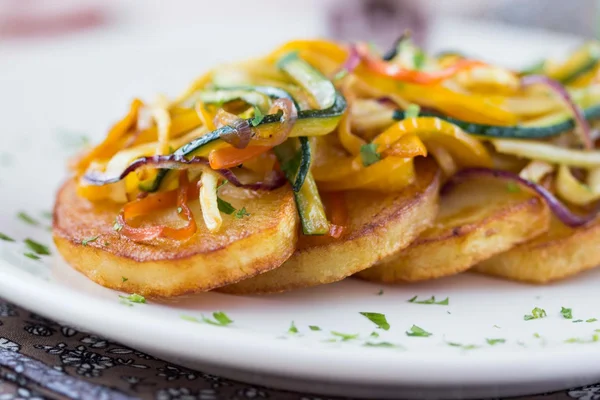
(380, 21)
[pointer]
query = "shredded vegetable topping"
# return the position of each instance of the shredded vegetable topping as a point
(329, 117)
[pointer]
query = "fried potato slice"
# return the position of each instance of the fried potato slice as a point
(378, 225)
(560, 253)
(477, 219)
(241, 249)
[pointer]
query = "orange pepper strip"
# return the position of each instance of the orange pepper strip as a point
(399, 73)
(230, 157)
(349, 140)
(335, 206)
(408, 146)
(157, 202)
(111, 144)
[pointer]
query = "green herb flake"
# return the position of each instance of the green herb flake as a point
(85, 242)
(418, 332)
(419, 59)
(225, 207)
(47, 214)
(225, 182)
(412, 111)
(381, 344)
(463, 346)
(567, 313)
(577, 321)
(591, 320)
(220, 317)
(512, 187)
(537, 335)
(6, 238)
(258, 117)
(374, 334)
(190, 319)
(344, 337)
(595, 338)
(241, 213)
(117, 227)
(27, 219)
(497, 327)
(293, 328)
(179, 210)
(431, 300)
(123, 279)
(314, 328)
(37, 248)
(369, 154)
(378, 319)
(493, 342)
(536, 313)
(135, 298)
(33, 256)
(380, 293)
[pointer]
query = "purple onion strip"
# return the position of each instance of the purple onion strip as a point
(351, 62)
(565, 215)
(558, 88)
(180, 162)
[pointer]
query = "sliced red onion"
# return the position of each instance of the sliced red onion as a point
(584, 130)
(349, 64)
(243, 131)
(563, 213)
(172, 161)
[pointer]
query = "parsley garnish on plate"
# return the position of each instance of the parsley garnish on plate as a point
(591, 320)
(85, 242)
(567, 313)
(431, 300)
(123, 279)
(380, 293)
(293, 328)
(463, 346)
(27, 219)
(381, 344)
(369, 154)
(577, 321)
(314, 328)
(225, 207)
(595, 338)
(6, 238)
(241, 213)
(37, 248)
(378, 319)
(497, 327)
(412, 111)
(344, 337)
(418, 332)
(374, 334)
(33, 256)
(134, 298)
(537, 335)
(47, 214)
(536, 313)
(493, 342)
(220, 319)
(512, 187)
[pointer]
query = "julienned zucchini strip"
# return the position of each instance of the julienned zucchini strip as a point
(515, 132)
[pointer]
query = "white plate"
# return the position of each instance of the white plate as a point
(50, 93)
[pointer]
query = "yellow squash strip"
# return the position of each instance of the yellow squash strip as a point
(547, 152)
(349, 140)
(573, 191)
(535, 171)
(208, 201)
(161, 115)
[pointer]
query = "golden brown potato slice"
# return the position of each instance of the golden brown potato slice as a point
(378, 225)
(477, 220)
(560, 253)
(241, 249)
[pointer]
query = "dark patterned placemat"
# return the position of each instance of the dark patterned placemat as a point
(41, 359)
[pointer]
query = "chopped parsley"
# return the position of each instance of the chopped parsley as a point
(378, 319)
(47, 214)
(135, 298)
(380, 293)
(314, 328)
(591, 320)
(412, 111)
(512, 187)
(123, 279)
(37, 248)
(493, 342)
(595, 338)
(577, 321)
(225, 207)
(85, 242)
(27, 219)
(344, 337)
(497, 327)
(6, 238)
(241, 213)
(418, 332)
(258, 117)
(537, 335)
(381, 344)
(536, 313)
(33, 256)
(293, 328)
(369, 154)
(117, 226)
(567, 313)
(419, 59)
(225, 182)
(179, 210)
(431, 300)
(463, 346)
(374, 334)
(220, 319)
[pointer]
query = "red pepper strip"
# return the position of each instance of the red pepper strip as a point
(398, 73)
(229, 157)
(112, 143)
(156, 202)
